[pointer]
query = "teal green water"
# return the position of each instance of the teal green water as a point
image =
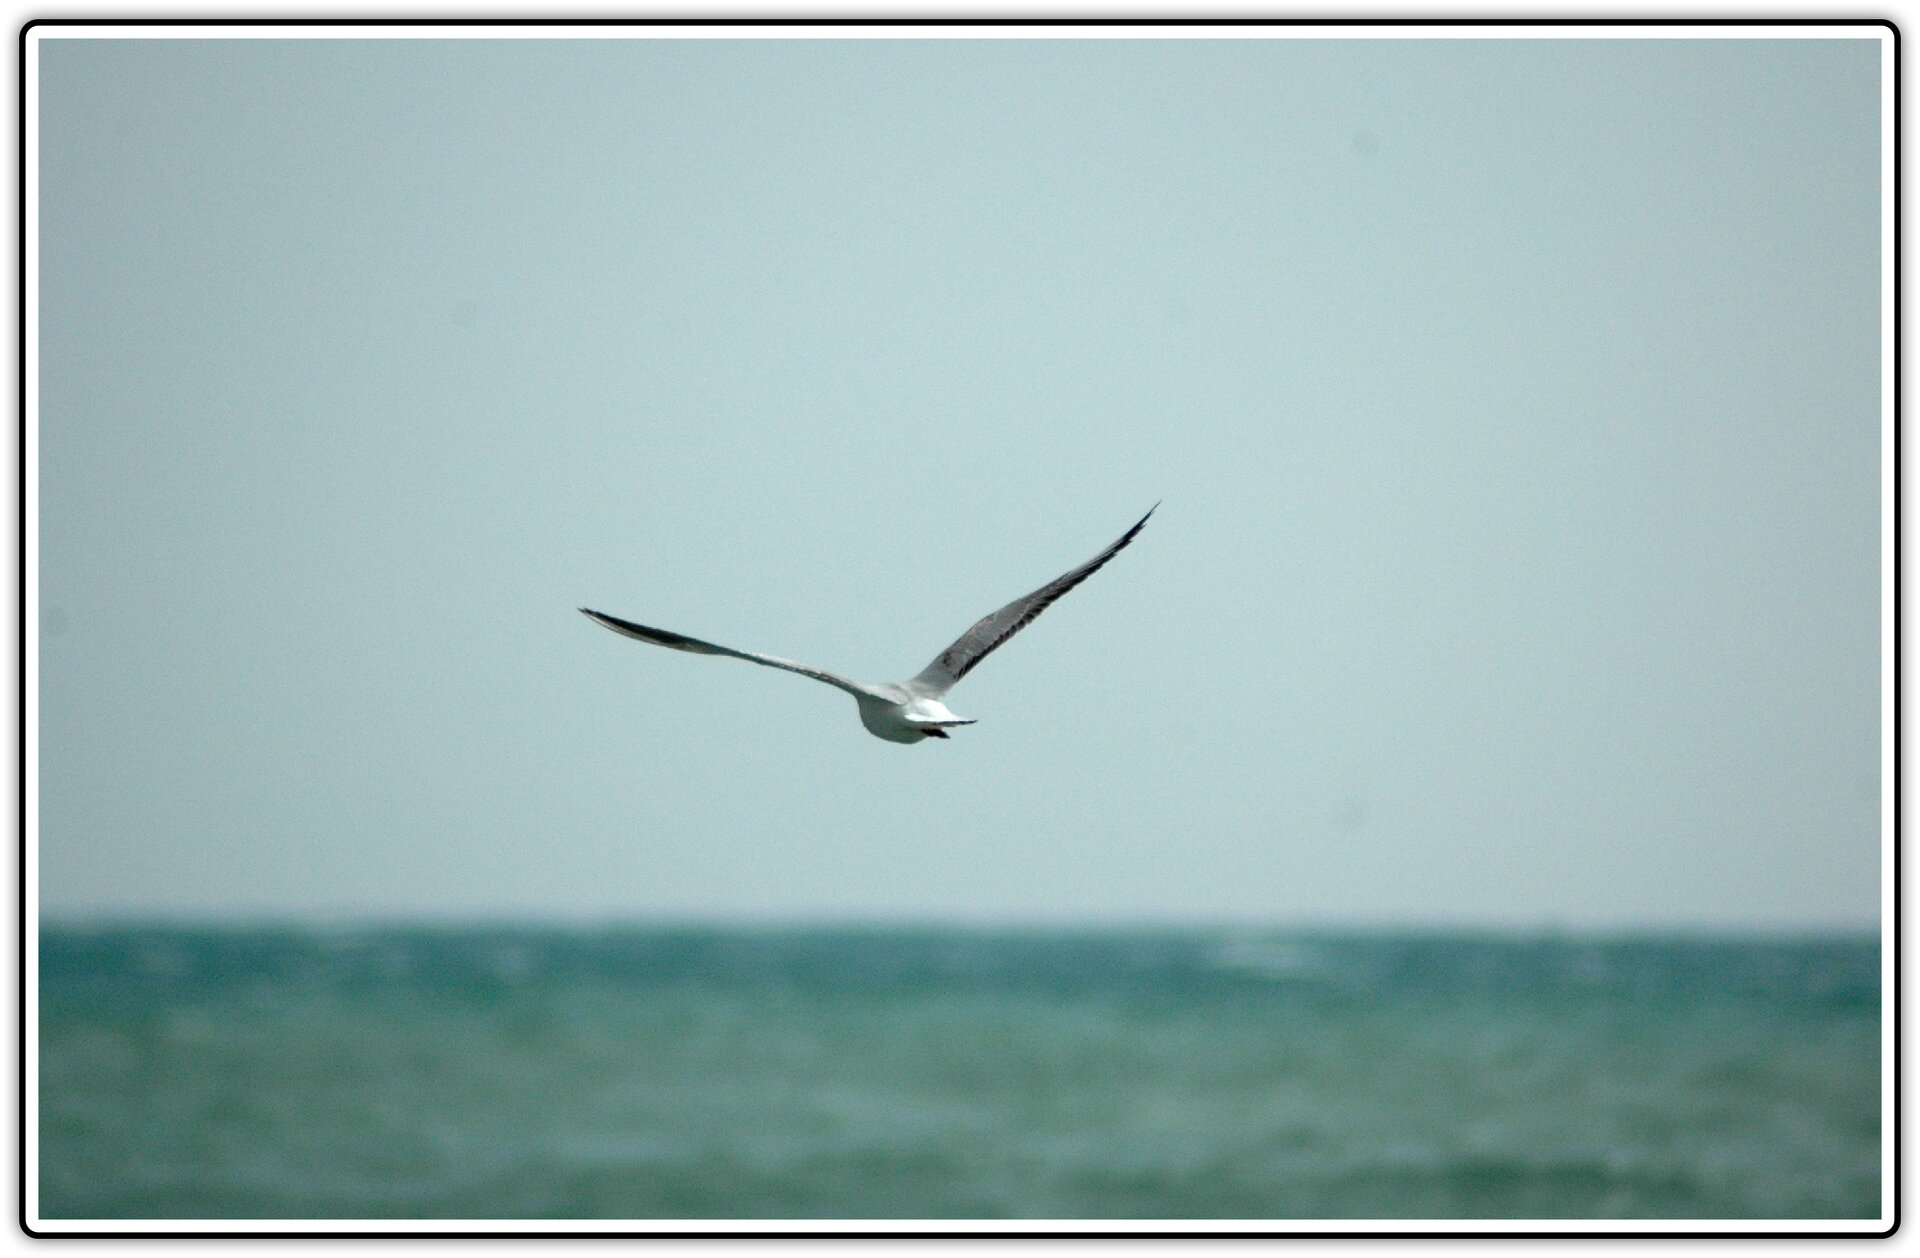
(945, 1074)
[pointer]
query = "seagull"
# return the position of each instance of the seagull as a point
(905, 711)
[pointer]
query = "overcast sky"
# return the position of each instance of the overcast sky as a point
(1516, 408)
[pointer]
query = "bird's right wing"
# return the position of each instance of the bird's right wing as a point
(990, 631)
(680, 642)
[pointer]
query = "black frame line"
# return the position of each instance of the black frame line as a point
(983, 1233)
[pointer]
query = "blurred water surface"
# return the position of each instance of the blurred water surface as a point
(874, 1073)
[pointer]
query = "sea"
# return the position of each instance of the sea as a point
(943, 1073)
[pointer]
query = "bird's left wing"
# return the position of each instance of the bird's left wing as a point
(990, 631)
(680, 642)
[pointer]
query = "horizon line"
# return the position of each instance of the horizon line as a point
(373, 922)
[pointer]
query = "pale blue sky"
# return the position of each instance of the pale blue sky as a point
(1515, 406)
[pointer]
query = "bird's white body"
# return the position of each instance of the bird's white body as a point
(907, 718)
(907, 711)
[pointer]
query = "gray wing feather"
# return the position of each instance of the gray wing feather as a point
(680, 642)
(990, 631)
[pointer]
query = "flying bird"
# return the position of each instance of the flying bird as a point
(905, 711)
